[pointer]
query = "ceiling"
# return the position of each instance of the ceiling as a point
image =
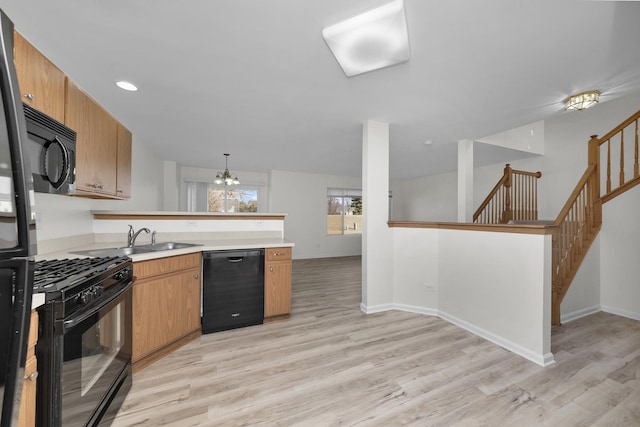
(255, 78)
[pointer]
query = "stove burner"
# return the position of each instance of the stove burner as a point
(56, 275)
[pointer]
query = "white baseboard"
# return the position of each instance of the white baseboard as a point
(542, 360)
(416, 309)
(566, 318)
(376, 308)
(621, 312)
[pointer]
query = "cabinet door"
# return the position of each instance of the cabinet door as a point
(165, 309)
(27, 416)
(96, 148)
(41, 82)
(277, 288)
(123, 175)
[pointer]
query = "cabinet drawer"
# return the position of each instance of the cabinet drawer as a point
(278, 254)
(156, 267)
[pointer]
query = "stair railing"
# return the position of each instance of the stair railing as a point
(514, 197)
(617, 144)
(576, 227)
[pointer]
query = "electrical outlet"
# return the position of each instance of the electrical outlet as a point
(259, 223)
(192, 224)
(430, 287)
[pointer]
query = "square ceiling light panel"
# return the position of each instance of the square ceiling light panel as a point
(370, 41)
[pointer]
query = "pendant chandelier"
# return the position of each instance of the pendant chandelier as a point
(226, 177)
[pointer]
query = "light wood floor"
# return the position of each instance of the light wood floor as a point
(330, 365)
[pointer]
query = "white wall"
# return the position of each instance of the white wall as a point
(415, 269)
(620, 252)
(496, 285)
(303, 197)
(64, 216)
(430, 198)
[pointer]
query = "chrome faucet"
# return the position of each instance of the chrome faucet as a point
(131, 237)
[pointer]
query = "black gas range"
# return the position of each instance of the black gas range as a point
(84, 343)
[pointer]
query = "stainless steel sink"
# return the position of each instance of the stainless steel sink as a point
(166, 246)
(142, 249)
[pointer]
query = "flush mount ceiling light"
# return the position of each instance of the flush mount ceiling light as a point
(582, 100)
(370, 41)
(226, 177)
(126, 86)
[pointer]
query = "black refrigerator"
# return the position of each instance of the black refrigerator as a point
(17, 234)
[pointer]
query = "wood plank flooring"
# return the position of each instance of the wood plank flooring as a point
(331, 365)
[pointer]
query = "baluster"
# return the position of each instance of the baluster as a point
(635, 163)
(621, 157)
(608, 165)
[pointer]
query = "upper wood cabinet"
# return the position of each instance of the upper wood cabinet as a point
(41, 83)
(103, 146)
(96, 145)
(123, 164)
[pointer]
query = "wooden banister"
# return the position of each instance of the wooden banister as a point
(514, 197)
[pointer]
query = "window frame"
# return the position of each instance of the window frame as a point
(342, 193)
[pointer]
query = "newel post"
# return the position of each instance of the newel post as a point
(595, 203)
(508, 213)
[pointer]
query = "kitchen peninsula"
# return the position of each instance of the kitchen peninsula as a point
(168, 287)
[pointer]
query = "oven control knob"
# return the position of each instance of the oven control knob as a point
(97, 291)
(83, 298)
(120, 275)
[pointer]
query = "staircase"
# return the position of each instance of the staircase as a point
(514, 200)
(580, 219)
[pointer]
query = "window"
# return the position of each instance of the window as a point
(344, 211)
(207, 197)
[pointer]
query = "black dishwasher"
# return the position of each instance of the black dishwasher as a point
(232, 289)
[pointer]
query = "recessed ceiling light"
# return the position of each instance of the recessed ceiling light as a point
(127, 86)
(370, 41)
(428, 142)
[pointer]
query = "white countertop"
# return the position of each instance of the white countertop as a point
(37, 301)
(203, 245)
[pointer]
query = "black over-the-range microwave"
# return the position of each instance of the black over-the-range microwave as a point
(51, 149)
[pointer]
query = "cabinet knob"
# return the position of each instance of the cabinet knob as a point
(196, 276)
(32, 376)
(271, 269)
(29, 96)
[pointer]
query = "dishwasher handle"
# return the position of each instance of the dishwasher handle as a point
(235, 259)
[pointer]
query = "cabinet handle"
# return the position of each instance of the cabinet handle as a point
(119, 191)
(29, 96)
(32, 376)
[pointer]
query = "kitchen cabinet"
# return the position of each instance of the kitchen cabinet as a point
(27, 415)
(96, 147)
(123, 163)
(277, 282)
(166, 306)
(42, 84)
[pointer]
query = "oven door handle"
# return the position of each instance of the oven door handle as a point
(85, 314)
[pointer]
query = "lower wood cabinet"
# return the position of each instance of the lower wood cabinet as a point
(27, 416)
(277, 282)
(166, 306)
